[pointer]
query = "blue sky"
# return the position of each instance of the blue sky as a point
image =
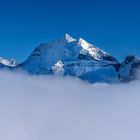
(112, 25)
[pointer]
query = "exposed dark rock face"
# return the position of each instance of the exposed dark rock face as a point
(129, 69)
(109, 58)
(84, 57)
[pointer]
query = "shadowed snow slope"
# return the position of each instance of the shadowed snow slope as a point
(67, 56)
(78, 57)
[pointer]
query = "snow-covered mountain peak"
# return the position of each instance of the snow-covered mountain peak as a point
(76, 57)
(67, 56)
(89, 49)
(8, 62)
(129, 69)
(68, 38)
(83, 43)
(131, 59)
(65, 39)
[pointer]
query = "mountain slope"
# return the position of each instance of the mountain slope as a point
(7, 62)
(129, 69)
(67, 56)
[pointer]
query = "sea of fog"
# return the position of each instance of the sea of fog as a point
(52, 108)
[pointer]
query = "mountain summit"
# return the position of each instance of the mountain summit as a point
(67, 56)
(68, 38)
(75, 57)
(7, 62)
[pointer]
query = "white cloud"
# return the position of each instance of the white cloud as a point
(52, 108)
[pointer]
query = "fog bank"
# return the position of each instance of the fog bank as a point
(52, 108)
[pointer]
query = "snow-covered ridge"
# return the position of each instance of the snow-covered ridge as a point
(76, 57)
(8, 62)
(66, 47)
(67, 56)
(68, 38)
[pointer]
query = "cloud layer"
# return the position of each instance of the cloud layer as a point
(52, 108)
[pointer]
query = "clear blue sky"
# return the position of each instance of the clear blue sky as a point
(113, 25)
